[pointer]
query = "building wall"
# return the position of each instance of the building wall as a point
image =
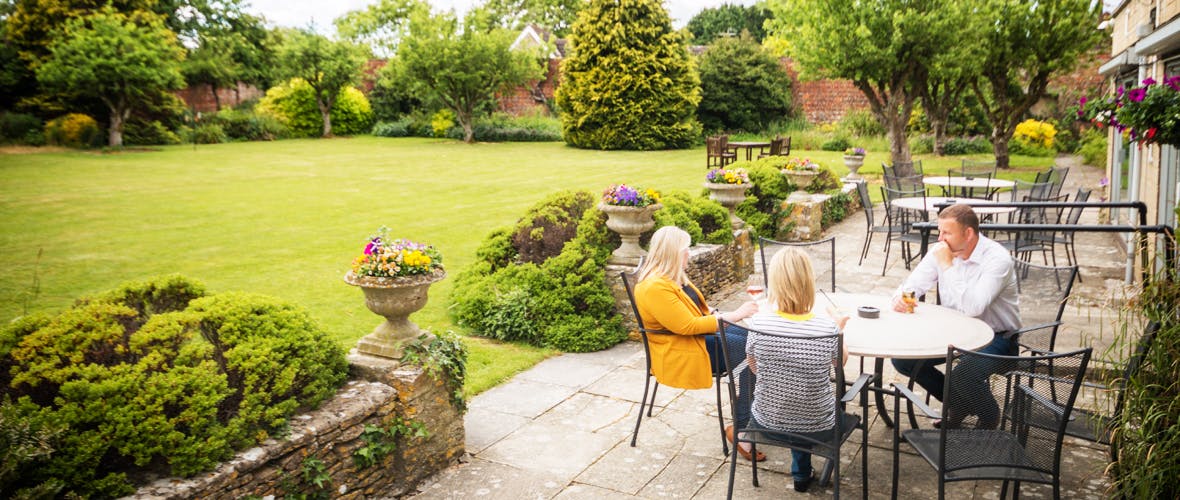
(200, 98)
(524, 100)
(823, 101)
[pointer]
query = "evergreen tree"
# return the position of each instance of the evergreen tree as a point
(728, 20)
(742, 86)
(629, 82)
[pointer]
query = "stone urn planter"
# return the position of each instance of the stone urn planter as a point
(395, 299)
(629, 222)
(729, 196)
(801, 178)
(853, 162)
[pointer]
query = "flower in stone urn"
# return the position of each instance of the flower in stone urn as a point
(801, 171)
(728, 187)
(629, 213)
(395, 275)
(853, 159)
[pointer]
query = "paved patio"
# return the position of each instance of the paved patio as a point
(562, 429)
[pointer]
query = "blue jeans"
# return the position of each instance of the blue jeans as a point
(736, 337)
(971, 374)
(801, 460)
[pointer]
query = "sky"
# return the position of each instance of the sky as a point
(300, 13)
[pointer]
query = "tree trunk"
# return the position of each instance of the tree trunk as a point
(326, 114)
(938, 125)
(465, 121)
(1000, 147)
(899, 147)
(115, 137)
(216, 98)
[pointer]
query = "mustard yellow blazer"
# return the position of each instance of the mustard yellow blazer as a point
(681, 360)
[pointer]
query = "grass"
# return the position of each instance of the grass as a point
(286, 218)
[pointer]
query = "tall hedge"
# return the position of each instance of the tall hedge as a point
(629, 82)
(743, 87)
(156, 376)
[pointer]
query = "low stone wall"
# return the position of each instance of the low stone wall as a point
(325, 440)
(807, 211)
(714, 268)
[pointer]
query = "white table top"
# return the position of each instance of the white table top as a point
(924, 334)
(968, 182)
(979, 205)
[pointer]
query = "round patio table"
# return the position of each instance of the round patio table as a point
(929, 204)
(964, 185)
(748, 146)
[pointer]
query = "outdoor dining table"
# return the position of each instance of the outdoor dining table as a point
(923, 334)
(748, 146)
(965, 183)
(930, 204)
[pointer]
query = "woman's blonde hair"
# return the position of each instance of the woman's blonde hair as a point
(664, 255)
(792, 281)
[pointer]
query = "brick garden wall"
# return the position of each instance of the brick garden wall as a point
(200, 97)
(822, 101)
(523, 100)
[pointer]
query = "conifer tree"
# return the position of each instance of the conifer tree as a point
(629, 82)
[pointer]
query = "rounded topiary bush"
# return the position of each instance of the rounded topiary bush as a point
(293, 103)
(158, 377)
(74, 130)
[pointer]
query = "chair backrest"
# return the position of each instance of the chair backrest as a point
(724, 143)
(1075, 213)
(822, 253)
(628, 277)
(866, 201)
(900, 217)
(986, 391)
(786, 146)
(1043, 292)
(1032, 190)
(783, 356)
(1057, 179)
(907, 168)
(980, 166)
(713, 145)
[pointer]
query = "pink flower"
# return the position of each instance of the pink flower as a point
(1148, 81)
(1136, 94)
(1173, 82)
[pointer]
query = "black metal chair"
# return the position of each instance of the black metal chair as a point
(778, 359)
(1057, 179)
(1066, 238)
(1000, 420)
(820, 251)
(1043, 293)
(644, 333)
(974, 169)
(862, 189)
(900, 221)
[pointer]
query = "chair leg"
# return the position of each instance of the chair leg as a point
(642, 402)
(864, 251)
(888, 242)
(651, 405)
(733, 458)
(721, 420)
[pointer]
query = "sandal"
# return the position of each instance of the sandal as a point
(745, 454)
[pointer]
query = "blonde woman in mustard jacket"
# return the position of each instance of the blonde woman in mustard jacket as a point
(667, 300)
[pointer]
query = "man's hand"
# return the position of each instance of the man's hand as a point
(900, 305)
(943, 255)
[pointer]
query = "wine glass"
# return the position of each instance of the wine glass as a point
(755, 287)
(910, 298)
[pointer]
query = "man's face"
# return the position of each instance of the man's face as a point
(956, 237)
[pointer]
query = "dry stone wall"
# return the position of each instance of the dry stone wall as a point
(324, 441)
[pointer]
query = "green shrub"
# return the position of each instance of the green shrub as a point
(1093, 148)
(835, 210)
(153, 374)
(1024, 147)
(205, 133)
(442, 121)
(148, 133)
(967, 146)
(501, 297)
(19, 128)
(246, 125)
(25, 446)
(704, 219)
(838, 143)
(923, 145)
(74, 130)
(629, 83)
(504, 128)
(293, 103)
(743, 87)
(762, 209)
(861, 123)
(399, 128)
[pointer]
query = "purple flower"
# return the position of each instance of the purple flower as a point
(1173, 82)
(1136, 94)
(1082, 101)
(372, 246)
(1119, 93)
(1148, 81)
(1104, 182)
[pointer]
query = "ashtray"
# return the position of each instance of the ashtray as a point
(868, 312)
(970, 178)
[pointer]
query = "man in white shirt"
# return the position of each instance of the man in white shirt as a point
(975, 276)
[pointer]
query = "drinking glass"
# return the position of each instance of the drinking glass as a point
(910, 298)
(755, 288)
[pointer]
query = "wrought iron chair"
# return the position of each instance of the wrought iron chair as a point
(900, 222)
(644, 333)
(716, 153)
(820, 252)
(862, 189)
(776, 358)
(974, 169)
(1043, 293)
(1000, 420)
(1066, 238)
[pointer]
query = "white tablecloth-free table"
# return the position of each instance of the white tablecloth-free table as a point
(979, 205)
(967, 182)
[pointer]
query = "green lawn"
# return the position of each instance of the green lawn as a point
(286, 218)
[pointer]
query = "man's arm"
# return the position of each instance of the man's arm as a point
(923, 278)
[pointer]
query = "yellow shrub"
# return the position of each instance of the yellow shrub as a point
(74, 130)
(1036, 132)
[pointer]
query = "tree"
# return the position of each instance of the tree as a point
(950, 72)
(742, 86)
(629, 82)
(227, 45)
(463, 68)
(327, 65)
(729, 20)
(1029, 42)
(554, 15)
(881, 46)
(123, 60)
(381, 25)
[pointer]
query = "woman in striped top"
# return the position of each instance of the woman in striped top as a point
(793, 391)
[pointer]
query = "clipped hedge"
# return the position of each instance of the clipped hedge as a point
(157, 376)
(504, 128)
(247, 125)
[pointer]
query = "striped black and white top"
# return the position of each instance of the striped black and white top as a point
(793, 391)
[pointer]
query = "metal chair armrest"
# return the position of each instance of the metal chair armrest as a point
(1033, 328)
(917, 401)
(856, 387)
